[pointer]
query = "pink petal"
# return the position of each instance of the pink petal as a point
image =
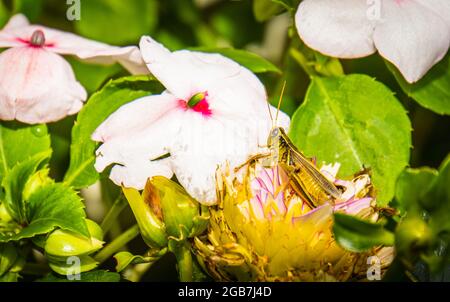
(412, 37)
(339, 28)
(18, 32)
(37, 86)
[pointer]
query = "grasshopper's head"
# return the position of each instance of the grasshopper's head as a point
(274, 136)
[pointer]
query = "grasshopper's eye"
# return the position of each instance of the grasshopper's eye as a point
(275, 132)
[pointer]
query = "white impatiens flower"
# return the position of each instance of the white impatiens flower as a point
(36, 84)
(214, 111)
(412, 34)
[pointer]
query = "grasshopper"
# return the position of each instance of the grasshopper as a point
(304, 178)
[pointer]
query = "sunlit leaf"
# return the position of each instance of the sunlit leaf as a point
(20, 142)
(49, 207)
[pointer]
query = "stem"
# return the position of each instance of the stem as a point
(184, 260)
(302, 61)
(111, 217)
(136, 273)
(117, 244)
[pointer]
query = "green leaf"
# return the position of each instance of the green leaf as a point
(116, 93)
(49, 207)
(356, 121)
(13, 138)
(433, 90)
(95, 276)
(117, 21)
(412, 184)
(251, 61)
(14, 184)
(266, 9)
(358, 235)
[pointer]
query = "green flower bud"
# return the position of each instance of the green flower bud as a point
(164, 210)
(413, 236)
(152, 228)
(61, 244)
(39, 179)
(94, 230)
(181, 214)
(73, 265)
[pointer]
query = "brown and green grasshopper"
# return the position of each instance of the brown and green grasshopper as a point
(304, 178)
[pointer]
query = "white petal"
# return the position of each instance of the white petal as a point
(440, 7)
(135, 116)
(137, 154)
(339, 28)
(135, 174)
(204, 144)
(185, 73)
(18, 33)
(18, 20)
(412, 37)
(37, 86)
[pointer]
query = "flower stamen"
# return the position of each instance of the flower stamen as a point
(199, 103)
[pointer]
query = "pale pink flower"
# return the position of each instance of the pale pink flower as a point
(412, 34)
(213, 111)
(36, 84)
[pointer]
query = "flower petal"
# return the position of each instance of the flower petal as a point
(135, 117)
(203, 145)
(37, 86)
(18, 33)
(135, 174)
(336, 28)
(185, 73)
(440, 7)
(136, 143)
(412, 37)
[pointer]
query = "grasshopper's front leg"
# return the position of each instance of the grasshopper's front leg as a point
(251, 160)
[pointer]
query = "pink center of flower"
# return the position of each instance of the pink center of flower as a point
(198, 103)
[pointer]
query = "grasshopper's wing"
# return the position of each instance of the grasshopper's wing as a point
(325, 184)
(297, 185)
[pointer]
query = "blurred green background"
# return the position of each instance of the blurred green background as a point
(214, 23)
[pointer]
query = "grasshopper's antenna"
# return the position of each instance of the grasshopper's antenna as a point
(279, 101)
(270, 112)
